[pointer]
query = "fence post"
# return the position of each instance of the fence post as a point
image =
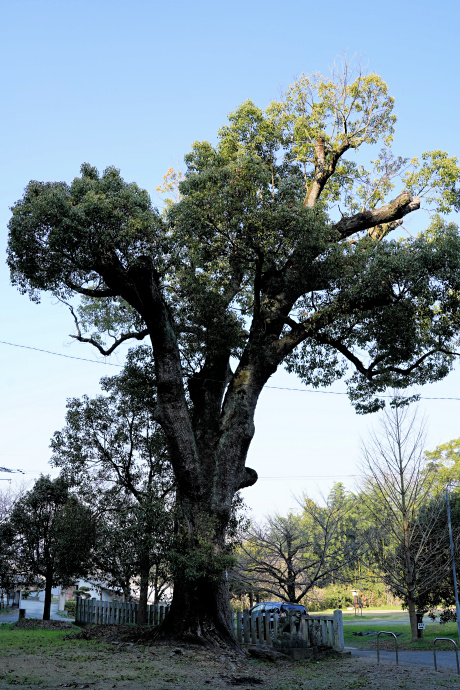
(93, 601)
(253, 627)
(239, 627)
(275, 625)
(260, 627)
(304, 629)
(268, 639)
(324, 632)
(246, 628)
(339, 643)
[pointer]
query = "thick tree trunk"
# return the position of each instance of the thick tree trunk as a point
(143, 594)
(200, 611)
(47, 603)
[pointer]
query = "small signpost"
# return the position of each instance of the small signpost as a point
(357, 602)
(420, 624)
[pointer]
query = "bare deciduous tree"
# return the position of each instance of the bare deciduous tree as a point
(287, 556)
(397, 493)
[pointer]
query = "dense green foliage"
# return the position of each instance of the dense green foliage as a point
(445, 459)
(51, 536)
(113, 452)
(248, 212)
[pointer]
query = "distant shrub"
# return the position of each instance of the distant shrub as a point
(71, 607)
(448, 616)
(340, 597)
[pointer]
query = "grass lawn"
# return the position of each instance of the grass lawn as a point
(46, 660)
(395, 620)
(431, 632)
(36, 641)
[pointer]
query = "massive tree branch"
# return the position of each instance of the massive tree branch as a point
(143, 289)
(398, 208)
(286, 285)
(323, 169)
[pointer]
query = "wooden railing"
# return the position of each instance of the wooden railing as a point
(105, 612)
(274, 630)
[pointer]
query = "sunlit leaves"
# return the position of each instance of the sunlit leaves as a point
(436, 180)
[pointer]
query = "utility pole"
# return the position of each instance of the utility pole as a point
(457, 605)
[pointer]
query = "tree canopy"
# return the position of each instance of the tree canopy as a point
(253, 239)
(52, 534)
(279, 251)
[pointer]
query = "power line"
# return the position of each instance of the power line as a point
(311, 476)
(309, 390)
(279, 388)
(59, 354)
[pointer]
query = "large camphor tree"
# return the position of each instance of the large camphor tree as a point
(280, 250)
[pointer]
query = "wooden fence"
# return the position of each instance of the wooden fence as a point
(104, 612)
(250, 629)
(304, 631)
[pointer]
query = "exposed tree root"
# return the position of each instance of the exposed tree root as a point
(160, 636)
(210, 637)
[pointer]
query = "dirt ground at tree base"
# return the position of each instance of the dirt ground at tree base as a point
(106, 664)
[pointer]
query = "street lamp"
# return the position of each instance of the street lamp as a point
(457, 605)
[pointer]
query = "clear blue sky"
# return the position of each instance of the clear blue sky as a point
(133, 84)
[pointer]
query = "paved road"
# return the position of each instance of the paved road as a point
(34, 609)
(444, 659)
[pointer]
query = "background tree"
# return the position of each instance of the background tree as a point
(130, 545)
(398, 495)
(114, 451)
(445, 460)
(254, 268)
(288, 556)
(439, 590)
(52, 536)
(8, 572)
